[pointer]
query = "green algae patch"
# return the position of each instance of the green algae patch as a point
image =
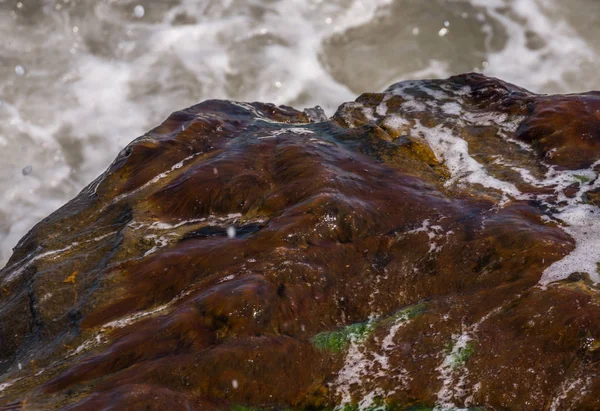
(582, 179)
(405, 314)
(378, 404)
(244, 408)
(338, 340)
(461, 355)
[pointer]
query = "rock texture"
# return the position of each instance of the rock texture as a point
(434, 245)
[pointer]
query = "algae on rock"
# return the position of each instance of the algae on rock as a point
(247, 256)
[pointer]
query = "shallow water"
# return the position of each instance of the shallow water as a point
(79, 80)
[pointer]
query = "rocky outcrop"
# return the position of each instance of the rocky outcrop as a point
(434, 245)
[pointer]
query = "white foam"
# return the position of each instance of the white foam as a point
(16, 269)
(435, 233)
(395, 122)
(563, 52)
(363, 366)
(579, 220)
(159, 242)
(100, 338)
(413, 105)
(161, 225)
(368, 113)
(578, 385)
(295, 130)
(360, 366)
(584, 226)
(227, 278)
(123, 322)
(20, 266)
(8, 384)
(154, 180)
(452, 369)
(452, 386)
(453, 151)
(452, 108)
(382, 108)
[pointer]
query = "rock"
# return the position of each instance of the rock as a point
(433, 245)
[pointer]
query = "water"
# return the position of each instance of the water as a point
(80, 79)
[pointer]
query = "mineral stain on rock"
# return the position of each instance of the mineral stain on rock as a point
(434, 246)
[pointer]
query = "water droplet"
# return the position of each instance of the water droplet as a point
(138, 11)
(446, 23)
(20, 70)
(234, 384)
(443, 31)
(75, 29)
(415, 31)
(328, 20)
(19, 5)
(464, 15)
(278, 84)
(231, 232)
(27, 170)
(215, 171)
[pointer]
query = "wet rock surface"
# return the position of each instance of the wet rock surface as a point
(434, 245)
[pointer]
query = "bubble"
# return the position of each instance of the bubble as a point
(138, 11)
(20, 70)
(27, 170)
(443, 31)
(75, 29)
(235, 384)
(328, 20)
(231, 232)
(415, 31)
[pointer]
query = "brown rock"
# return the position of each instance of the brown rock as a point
(395, 256)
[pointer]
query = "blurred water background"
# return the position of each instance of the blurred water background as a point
(80, 79)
